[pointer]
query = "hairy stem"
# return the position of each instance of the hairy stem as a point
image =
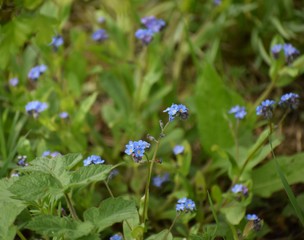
(109, 189)
(70, 206)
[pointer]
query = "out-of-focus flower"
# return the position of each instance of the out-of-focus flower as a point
(145, 35)
(265, 109)
(15, 174)
(240, 188)
(238, 111)
(36, 72)
(101, 20)
(152, 23)
(185, 205)
(178, 149)
(177, 110)
(290, 100)
(13, 82)
(34, 108)
(217, 2)
(252, 217)
(93, 159)
(100, 35)
(116, 237)
(57, 41)
(113, 173)
(63, 115)
(22, 161)
(48, 153)
(159, 180)
(290, 52)
(136, 149)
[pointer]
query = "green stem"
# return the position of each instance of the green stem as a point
(22, 237)
(70, 206)
(176, 217)
(109, 189)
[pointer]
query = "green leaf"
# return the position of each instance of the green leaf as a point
(234, 213)
(88, 174)
(36, 186)
(163, 235)
(212, 125)
(54, 226)
(266, 181)
(111, 210)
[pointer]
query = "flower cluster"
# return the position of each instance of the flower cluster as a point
(240, 188)
(290, 100)
(136, 149)
(35, 108)
(238, 111)
(57, 41)
(185, 205)
(265, 109)
(13, 82)
(153, 25)
(93, 159)
(178, 149)
(290, 52)
(100, 35)
(159, 180)
(48, 153)
(177, 110)
(116, 237)
(36, 72)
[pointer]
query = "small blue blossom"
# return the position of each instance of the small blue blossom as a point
(63, 115)
(265, 109)
(48, 153)
(93, 159)
(13, 82)
(240, 188)
(185, 205)
(178, 149)
(113, 173)
(136, 149)
(290, 52)
(217, 2)
(22, 161)
(290, 100)
(145, 35)
(276, 49)
(100, 35)
(35, 108)
(159, 180)
(239, 112)
(15, 174)
(116, 237)
(154, 24)
(101, 20)
(36, 72)
(252, 217)
(177, 110)
(57, 41)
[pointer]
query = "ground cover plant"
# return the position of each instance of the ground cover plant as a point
(175, 119)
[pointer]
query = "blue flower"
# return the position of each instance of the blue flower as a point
(276, 49)
(217, 2)
(265, 109)
(136, 149)
(239, 112)
(93, 159)
(100, 35)
(22, 161)
(159, 180)
(63, 115)
(35, 107)
(252, 217)
(145, 35)
(113, 173)
(15, 174)
(290, 100)
(290, 52)
(116, 237)
(101, 20)
(153, 24)
(185, 205)
(177, 111)
(13, 82)
(178, 149)
(36, 72)
(48, 153)
(57, 41)
(240, 188)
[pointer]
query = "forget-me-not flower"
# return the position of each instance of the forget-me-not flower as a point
(159, 180)
(240, 188)
(48, 153)
(100, 35)
(13, 82)
(290, 52)
(93, 159)
(152, 23)
(57, 41)
(36, 72)
(290, 100)
(177, 110)
(178, 149)
(185, 205)
(63, 115)
(145, 35)
(136, 149)
(265, 109)
(22, 161)
(35, 108)
(116, 237)
(238, 111)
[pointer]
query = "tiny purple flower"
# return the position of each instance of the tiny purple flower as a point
(48, 153)
(217, 2)
(178, 149)
(57, 41)
(177, 111)
(239, 112)
(13, 82)
(290, 52)
(265, 109)
(35, 108)
(152, 23)
(36, 72)
(136, 149)
(290, 100)
(116, 237)
(113, 173)
(185, 205)
(101, 20)
(145, 35)
(93, 159)
(100, 35)
(252, 217)
(15, 174)
(159, 180)
(63, 115)
(22, 161)
(240, 188)
(276, 49)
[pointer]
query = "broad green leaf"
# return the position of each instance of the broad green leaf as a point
(213, 99)
(110, 211)
(89, 174)
(36, 186)
(265, 178)
(163, 235)
(54, 226)
(10, 209)
(234, 213)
